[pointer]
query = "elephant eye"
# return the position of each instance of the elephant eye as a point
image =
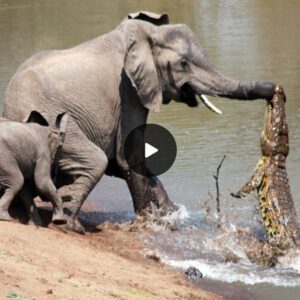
(184, 64)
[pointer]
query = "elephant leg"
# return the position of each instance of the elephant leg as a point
(83, 164)
(160, 197)
(148, 191)
(5, 202)
(15, 182)
(26, 196)
(46, 187)
(145, 191)
(140, 191)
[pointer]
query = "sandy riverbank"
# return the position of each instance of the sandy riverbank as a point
(46, 263)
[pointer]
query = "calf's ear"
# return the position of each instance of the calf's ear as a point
(61, 122)
(36, 117)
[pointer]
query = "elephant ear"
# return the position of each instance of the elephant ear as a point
(150, 17)
(61, 122)
(36, 117)
(61, 126)
(140, 68)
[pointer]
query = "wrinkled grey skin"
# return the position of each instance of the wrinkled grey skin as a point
(27, 153)
(108, 86)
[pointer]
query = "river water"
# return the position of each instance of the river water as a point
(248, 39)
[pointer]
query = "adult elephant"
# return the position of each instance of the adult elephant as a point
(108, 86)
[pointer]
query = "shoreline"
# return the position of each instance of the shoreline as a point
(47, 263)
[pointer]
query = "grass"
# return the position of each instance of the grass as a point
(14, 295)
(138, 293)
(58, 277)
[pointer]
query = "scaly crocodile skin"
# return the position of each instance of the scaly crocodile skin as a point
(271, 180)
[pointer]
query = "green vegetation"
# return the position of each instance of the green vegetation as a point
(138, 293)
(14, 295)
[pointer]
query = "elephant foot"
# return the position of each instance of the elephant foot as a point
(38, 223)
(159, 199)
(166, 219)
(4, 216)
(152, 212)
(59, 219)
(74, 225)
(164, 210)
(168, 208)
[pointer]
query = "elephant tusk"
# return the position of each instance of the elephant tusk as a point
(209, 105)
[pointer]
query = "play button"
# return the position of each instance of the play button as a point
(150, 149)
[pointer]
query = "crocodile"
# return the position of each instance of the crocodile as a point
(270, 178)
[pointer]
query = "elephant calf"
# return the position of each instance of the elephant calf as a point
(27, 153)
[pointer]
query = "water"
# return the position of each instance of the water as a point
(244, 39)
(220, 252)
(197, 241)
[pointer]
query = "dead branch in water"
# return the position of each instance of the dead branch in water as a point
(216, 177)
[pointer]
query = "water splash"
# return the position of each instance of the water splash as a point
(171, 221)
(245, 273)
(216, 245)
(291, 260)
(218, 248)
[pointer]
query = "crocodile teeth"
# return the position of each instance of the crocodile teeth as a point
(209, 105)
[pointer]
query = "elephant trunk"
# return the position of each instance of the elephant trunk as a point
(216, 84)
(244, 90)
